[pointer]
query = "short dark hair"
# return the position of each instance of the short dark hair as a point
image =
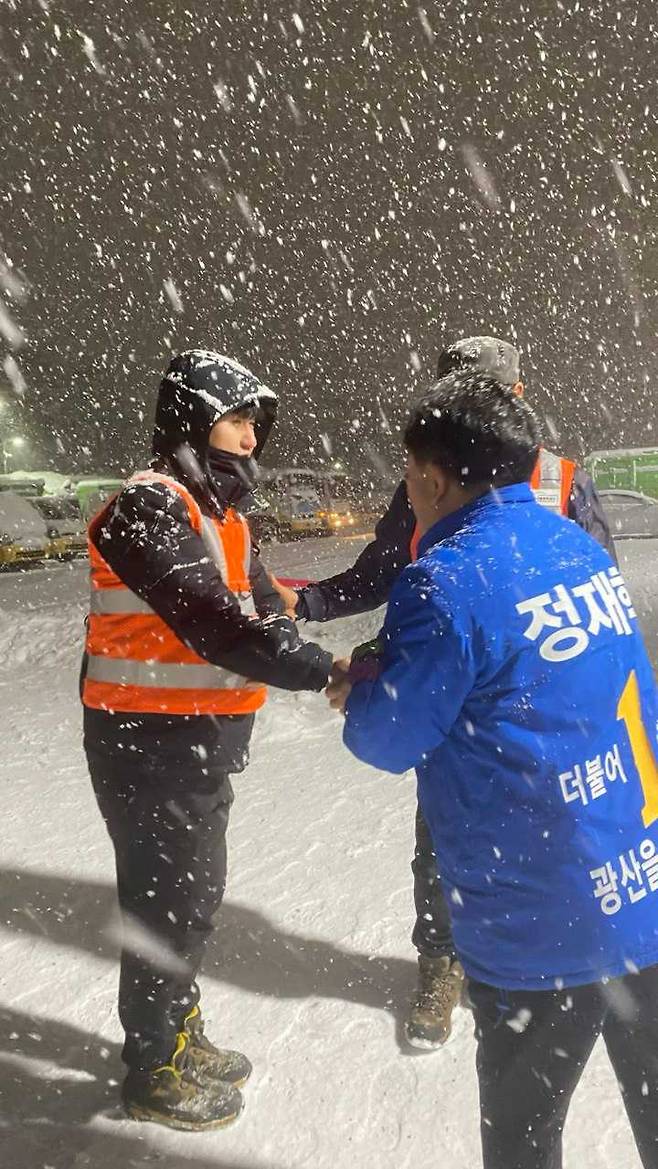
(476, 429)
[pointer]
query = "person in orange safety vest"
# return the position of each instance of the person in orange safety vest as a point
(185, 630)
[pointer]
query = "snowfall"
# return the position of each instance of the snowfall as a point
(311, 965)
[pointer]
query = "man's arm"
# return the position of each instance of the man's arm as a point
(146, 538)
(266, 597)
(427, 671)
(586, 510)
(367, 584)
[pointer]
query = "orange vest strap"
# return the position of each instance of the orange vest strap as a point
(196, 518)
(552, 481)
(415, 541)
(568, 473)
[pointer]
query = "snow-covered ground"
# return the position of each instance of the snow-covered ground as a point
(311, 965)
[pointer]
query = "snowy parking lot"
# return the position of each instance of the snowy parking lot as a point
(311, 964)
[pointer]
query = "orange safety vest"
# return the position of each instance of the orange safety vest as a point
(135, 662)
(552, 481)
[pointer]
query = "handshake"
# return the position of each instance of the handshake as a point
(362, 666)
(340, 684)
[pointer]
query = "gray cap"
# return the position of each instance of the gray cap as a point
(489, 355)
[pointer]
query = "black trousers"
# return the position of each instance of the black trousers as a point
(432, 935)
(167, 816)
(532, 1049)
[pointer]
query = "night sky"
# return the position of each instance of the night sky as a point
(326, 192)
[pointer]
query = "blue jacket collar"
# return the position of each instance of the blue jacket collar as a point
(517, 493)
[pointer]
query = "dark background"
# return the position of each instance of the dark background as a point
(371, 180)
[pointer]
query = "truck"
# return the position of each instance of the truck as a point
(340, 499)
(294, 496)
(22, 485)
(36, 482)
(632, 469)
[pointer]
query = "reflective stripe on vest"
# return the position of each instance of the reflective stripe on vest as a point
(164, 675)
(104, 602)
(216, 550)
(552, 480)
(136, 662)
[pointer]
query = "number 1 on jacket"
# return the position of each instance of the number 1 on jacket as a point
(630, 710)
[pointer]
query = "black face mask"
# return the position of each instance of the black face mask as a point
(233, 476)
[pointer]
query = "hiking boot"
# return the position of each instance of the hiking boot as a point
(440, 982)
(465, 999)
(210, 1062)
(174, 1095)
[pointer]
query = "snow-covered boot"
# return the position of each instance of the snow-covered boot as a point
(440, 982)
(176, 1096)
(213, 1062)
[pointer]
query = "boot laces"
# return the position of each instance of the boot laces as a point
(194, 1027)
(437, 989)
(180, 1065)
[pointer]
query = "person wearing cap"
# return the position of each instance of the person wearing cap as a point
(564, 489)
(184, 632)
(514, 679)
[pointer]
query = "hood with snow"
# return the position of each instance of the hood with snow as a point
(198, 389)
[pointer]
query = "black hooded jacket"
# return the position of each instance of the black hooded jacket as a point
(145, 535)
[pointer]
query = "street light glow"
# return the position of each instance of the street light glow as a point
(8, 447)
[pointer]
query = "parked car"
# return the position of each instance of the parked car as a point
(64, 522)
(630, 513)
(47, 482)
(23, 531)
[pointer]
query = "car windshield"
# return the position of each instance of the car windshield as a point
(18, 516)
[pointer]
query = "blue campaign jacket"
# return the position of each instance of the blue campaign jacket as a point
(368, 583)
(514, 679)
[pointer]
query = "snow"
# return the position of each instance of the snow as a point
(54, 483)
(311, 965)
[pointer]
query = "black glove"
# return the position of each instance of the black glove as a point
(280, 635)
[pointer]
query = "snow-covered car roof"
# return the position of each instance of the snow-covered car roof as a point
(20, 522)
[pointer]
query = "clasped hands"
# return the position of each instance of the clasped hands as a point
(339, 684)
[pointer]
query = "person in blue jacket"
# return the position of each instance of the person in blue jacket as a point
(514, 679)
(366, 585)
